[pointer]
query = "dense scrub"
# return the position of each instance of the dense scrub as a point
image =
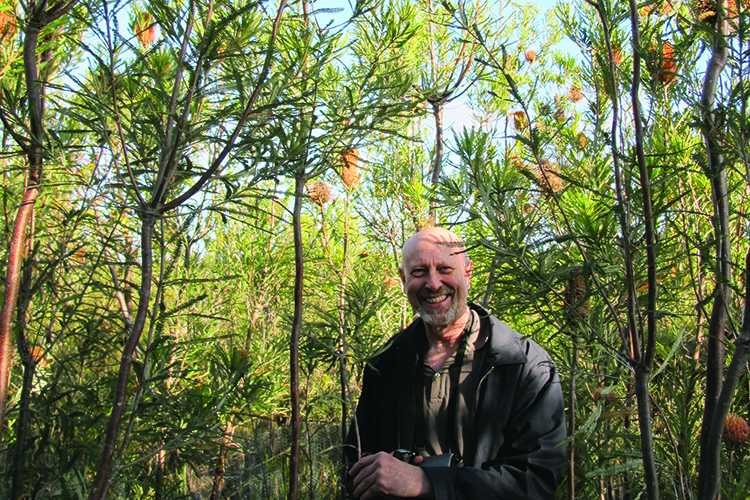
(204, 204)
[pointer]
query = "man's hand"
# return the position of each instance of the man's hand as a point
(382, 474)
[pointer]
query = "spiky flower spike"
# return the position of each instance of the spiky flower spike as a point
(350, 168)
(736, 430)
(668, 64)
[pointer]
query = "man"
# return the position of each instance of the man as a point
(456, 382)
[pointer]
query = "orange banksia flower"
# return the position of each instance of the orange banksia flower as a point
(320, 192)
(144, 29)
(546, 177)
(350, 168)
(519, 120)
(616, 54)
(667, 72)
(582, 141)
(736, 430)
(8, 27)
(531, 56)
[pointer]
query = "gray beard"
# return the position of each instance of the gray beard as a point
(440, 319)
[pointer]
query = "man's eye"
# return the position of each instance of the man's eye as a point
(417, 272)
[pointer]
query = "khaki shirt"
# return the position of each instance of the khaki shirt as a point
(434, 391)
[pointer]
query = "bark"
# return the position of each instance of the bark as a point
(101, 481)
(572, 425)
(35, 156)
(708, 479)
(220, 469)
(299, 259)
(437, 111)
(644, 360)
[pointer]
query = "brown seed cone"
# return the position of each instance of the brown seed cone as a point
(736, 430)
(547, 177)
(559, 114)
(531, 56)
(320, 192)
(350, 168)
(575, 94)
(576, 305)
(667, 72)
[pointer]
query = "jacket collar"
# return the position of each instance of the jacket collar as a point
(504, 343)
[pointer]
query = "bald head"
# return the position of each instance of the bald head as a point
(436, 274)
(434, 236)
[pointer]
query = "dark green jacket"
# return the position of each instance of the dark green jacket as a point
(513, 418)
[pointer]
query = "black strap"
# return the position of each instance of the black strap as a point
(454, 372)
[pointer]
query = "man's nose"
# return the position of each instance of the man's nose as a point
(433, 280)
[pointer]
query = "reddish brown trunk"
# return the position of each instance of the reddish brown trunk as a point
(294, 343)
(12, 284)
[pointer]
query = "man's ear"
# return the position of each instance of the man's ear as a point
(403, 278)
(469, 271)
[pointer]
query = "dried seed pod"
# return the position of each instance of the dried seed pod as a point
(559, 114)
(667, 71)
(576, 305)
(531, 56)
(319, 192)
(736, 430)
(575, 94)
(350, 168)
(546, 177)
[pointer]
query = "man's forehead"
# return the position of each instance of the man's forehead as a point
(435, 238)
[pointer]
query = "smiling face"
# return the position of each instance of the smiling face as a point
(436, 274)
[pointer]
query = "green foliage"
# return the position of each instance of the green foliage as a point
(532, 188)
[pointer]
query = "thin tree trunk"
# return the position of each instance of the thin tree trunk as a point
(343, 375)
(707, 478)
(644, 360)
(101, 481)
(572, 424)
(437, 111)
(35, 156)
(299, 258)
(710, 480)
(220, 468)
